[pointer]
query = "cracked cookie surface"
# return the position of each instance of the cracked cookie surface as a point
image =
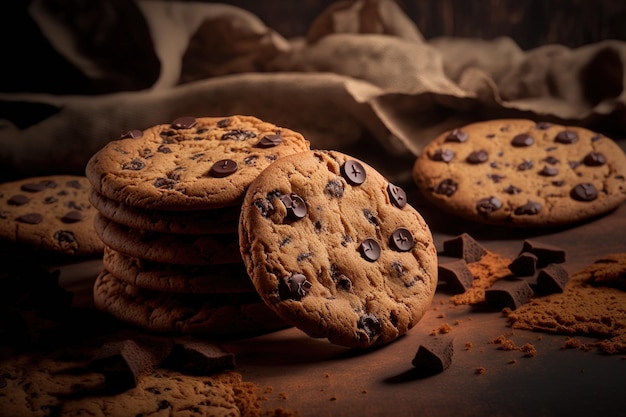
(335, 250)
(518, 172)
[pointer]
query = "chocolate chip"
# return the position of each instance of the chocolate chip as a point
(164, 183)
(552, 160)
(401, 240)
(525, 165)
(443, 155)
(223, 123)
(370, 249)
(397, 196)
(131, 134)
(530, 208)
(594, 159)
(223, 168)
(64, 236)
(522, 140)
(334, 188)
(164, 149)
(496, 177)
(297, 286)
(543, 125)
(50, 200)
(547, 171)
(477, 157)
(238, 135)
(488, 205)
(18, 200)
(465, 247)
(552, 279)
(30, 218)
(456, 275)
(353, 172)
(524, 265)
(546, 254)
(295, 205)
(446, 187)
(584, 192)
(511, 293)
(456, 135)
(269, 141)
(566, 137)
(511, 189)
(370, 324)
(434, 355)
(371, 217)
(344, 283)
(134, 165)
(34, 187)
(72, 217)
(558, 183)
(185, 122)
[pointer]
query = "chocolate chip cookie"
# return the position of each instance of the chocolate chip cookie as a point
(191, 163)
(335, 249)
(50, 214)
(516, 172)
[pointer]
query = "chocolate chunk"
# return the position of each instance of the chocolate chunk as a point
(552, 279)
(547, 171)
(456, 275)
(511, 189)
(334, 188)
(594, 159)
(551, 160)
(456, 135)
(477, 157)
(370, 324)
(496, 177)
(524, 265)
(353, 172)
(238, 135)
(164, 183)
(64, 236)
(525, 165)
(434, 355)
(18, 200)
(30, 218)
(545, 253)
(584, 192)
(199, 358)
(295, 205)
(164, 149)
(530, 208)
(224, 123)
(465, 247)
(34, 187)
(401, 240)
(185, 122)
(511, 293)
(566, 136)
(488, 205)
(397, 196)
(370, 249)
(73, 184)
(223, 168)
(72, 217)
(50, 200)
(443, 155)
(297, 287)
(131, 134)
(522, 140)
(543, 125)
(447, 187)
(134, 165)
(269, 141)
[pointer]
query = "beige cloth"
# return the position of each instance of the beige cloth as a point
(363, 70)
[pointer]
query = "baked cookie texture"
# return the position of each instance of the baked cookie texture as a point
(49, 214)
(191, 163)
(335, 250)
(517, 172)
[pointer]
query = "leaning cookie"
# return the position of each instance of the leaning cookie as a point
(50, 214)
(517, 172)
(335, 250)
(191, 163)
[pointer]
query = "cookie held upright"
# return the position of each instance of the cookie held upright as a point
(335, 250)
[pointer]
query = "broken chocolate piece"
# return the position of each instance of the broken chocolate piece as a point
(464, 246)
(546, 254)
(434, 355)
(511, 293)
(199, 358)
(552, 279)
(524, 265)
(456, 275)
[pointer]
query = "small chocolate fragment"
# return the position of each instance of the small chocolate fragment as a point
(552, 279)
(295, 205)
(446, 187)
(524, 265)
(135, 165)
(545, 253)
(370, 249)
(131, 134)
(511, 293)
(443, 155)
(184, 122)
(30, 218)
(522, 140)
(465, 247)
(525, 165)
(434, 355)
(547, 171)
(477, 157)
(511, 189)
(530, 208)
(401, 240)
(456, 275)
(223, 168)
(199, 358)
(567, 137)
(353, 172)
(238, 134)
(488, 205)
(456, 135)
(269, 141)
(584, 192)
(397, 195)
(297, 287)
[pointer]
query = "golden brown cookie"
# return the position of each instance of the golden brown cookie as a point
(335, 250)
(517, 172)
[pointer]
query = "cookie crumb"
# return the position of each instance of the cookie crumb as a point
(468, 345)
(480, 370)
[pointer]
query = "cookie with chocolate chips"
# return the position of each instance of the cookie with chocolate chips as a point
(191, 163)
(49, 214)
(335, 249)
(516, 172)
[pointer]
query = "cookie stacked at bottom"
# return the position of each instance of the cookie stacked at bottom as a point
(168, 201)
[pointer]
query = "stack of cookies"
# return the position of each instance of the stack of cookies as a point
(168, 201)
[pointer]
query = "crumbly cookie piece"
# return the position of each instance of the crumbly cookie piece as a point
(219, 315)
(335, 250)
(517, 172)
(50, 214)
(221, 220)
(169, 247)
(190, 164)
(189, 279)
